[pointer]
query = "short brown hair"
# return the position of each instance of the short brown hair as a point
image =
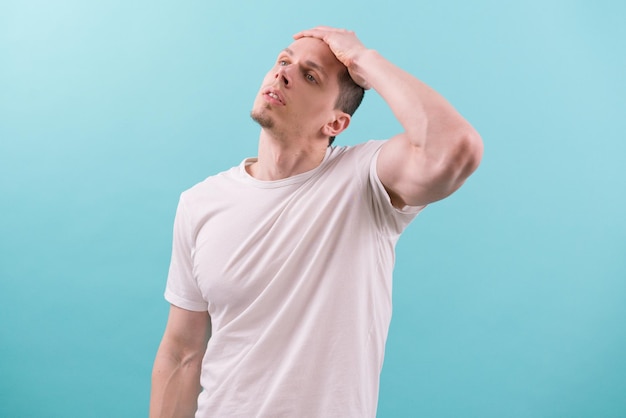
(350, 96)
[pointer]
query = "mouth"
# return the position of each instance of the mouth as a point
(274, 96)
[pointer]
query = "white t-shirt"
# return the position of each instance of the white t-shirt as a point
(296, 276)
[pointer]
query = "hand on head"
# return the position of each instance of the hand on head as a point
(345, 45)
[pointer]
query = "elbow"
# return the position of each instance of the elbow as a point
(461, 160)
(469, 151)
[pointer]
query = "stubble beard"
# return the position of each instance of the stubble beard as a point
(267, 123)
(262, 119)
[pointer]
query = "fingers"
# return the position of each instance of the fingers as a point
(320, 32)
(343, 43)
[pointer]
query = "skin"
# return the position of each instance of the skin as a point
(176, 370)
(428, 161)
(296, 128)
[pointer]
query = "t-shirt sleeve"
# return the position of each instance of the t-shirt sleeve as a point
(390, 219)
(182, 288)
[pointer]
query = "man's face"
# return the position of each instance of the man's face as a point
(298, 95)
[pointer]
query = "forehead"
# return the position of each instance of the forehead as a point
(317, 51)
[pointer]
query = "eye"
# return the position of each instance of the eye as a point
(310, 78)
(282, 63)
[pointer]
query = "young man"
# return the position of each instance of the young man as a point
(283, 264)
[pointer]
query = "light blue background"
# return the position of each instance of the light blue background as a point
(509, 297)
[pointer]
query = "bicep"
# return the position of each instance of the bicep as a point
(415, 177)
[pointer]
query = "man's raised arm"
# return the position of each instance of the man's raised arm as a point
(438, 149)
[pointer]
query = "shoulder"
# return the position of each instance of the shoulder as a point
(365, 148)
(360, 155)
(212, 183)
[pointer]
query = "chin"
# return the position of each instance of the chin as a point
(262, 119)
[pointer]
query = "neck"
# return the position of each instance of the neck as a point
(279, 159)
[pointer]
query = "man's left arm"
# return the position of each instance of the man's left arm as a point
(438, 149)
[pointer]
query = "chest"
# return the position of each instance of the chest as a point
(247, 243)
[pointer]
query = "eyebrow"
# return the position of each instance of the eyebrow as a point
(309, 63)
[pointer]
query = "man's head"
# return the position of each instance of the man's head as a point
(308, 93)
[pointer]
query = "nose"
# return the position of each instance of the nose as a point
(282, 75)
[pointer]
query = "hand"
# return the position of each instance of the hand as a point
(346, 47)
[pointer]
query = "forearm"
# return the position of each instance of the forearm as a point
(175, 387)
(429, 121)
(438, 149)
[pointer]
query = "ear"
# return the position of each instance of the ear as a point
(339, 124)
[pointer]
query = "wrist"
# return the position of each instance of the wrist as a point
(362, 67)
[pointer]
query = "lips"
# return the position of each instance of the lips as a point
(275, 95)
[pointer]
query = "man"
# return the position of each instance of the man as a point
(283, 264)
